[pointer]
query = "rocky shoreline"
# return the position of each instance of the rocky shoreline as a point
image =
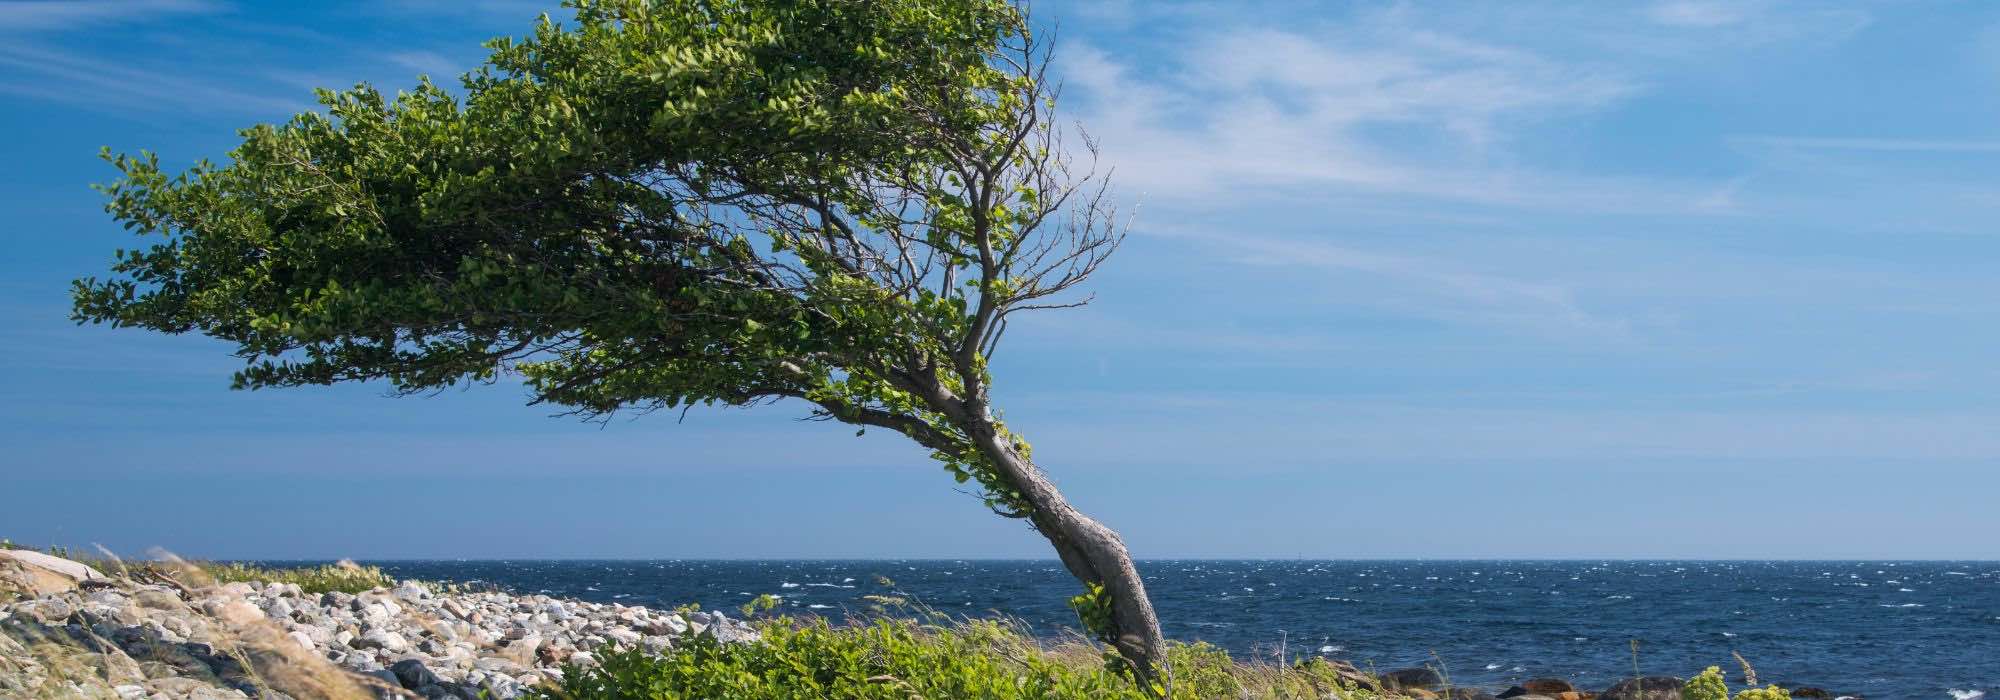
(117, 638)
(78, 633)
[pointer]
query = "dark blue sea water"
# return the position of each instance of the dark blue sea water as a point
(1883, 630)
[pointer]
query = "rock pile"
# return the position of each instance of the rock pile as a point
(239, 640)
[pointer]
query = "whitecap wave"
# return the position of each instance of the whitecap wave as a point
(1957, 694)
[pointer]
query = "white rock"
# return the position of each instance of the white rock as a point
(74, 570)
(382, 639)
(670, 625)
(502, 687)
(412, 591)
(624, 637)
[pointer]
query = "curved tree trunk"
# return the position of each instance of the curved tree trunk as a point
(1093, 553)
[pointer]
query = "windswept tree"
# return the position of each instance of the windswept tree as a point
(666, 203)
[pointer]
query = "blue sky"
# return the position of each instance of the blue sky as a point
(1676, 279)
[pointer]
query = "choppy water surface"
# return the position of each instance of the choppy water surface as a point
(1881, 629)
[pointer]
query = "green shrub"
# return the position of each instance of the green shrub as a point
(902, 659)
(1707, 686)
(888, 660)
(1710, 686)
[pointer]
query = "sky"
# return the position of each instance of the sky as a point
(1407, 280)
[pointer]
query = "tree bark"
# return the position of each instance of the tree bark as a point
(1092, 552)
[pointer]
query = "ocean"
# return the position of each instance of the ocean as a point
(1882, 630)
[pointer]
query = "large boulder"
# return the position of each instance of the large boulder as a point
(1413, 678)
(413, 674)
(1549, 687)
(30, 574)
(1644, 688)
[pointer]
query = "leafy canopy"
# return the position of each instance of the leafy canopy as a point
(663, 203)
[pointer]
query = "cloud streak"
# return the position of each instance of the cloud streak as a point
(1426, 286)
(62, 76)
(20, 16)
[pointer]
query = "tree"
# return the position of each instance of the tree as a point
(669, 203)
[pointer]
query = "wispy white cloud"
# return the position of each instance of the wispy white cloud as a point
(54, 15)
(52, 74)
(1400, 102)
(1389, 109)
(1330, 431)
(1432, 287)
(1699, 13)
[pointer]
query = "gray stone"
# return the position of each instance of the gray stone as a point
(669, 625)
(414, 674)
(503, 687)
(412, 591)
(382, 639)
(385, 676)
(48, 611)
(1408, 678)
(1644, 688)
(730, 633)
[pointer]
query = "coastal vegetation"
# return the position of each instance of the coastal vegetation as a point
(900, 658)
(344, 577)
(667, 203)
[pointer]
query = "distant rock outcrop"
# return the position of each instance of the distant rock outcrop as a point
(27, 574)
